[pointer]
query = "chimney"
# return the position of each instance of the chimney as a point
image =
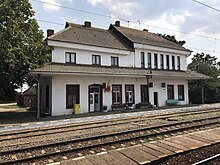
(87, 24)
(50, 32)
(117, 23)
(145, 30)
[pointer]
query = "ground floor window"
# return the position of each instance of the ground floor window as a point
(170, 92)
(116, 94)
(144, 93)
(181, 92)
(129, 93)
(72, 95)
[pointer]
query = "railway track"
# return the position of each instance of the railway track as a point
(91, 125)
(40, 152)
(207, 160)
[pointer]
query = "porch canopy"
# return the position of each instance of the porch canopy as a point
(77, 69)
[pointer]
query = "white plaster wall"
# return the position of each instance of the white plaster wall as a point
(126, 58)
(59, 90)
(85, 57)
(183, 60)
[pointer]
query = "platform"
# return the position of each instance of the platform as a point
(92, 117)
(145, 153)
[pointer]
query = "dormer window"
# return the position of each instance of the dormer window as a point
(96, 60)
(114, 61)
(70, 57)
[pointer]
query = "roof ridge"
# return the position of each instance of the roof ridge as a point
(82, 26)
(59, 32)
(132, 31)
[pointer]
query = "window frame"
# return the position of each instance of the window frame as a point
(142, 60)
(161, 61)
(173, 63)
(167, 62)
(67, 95)
(155, 61)
(114, 61)
(96, 61)
(71, 60)
(181, 93)
(120, 94)
(133, 94)
(178, 62)
(144, 93)
(170, 94)
(149, 61)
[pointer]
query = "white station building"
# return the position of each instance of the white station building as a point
(101, 69)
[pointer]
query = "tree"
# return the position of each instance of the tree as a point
(22, 45)
(172, 39)
(207, 65)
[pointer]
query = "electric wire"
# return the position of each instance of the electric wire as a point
(138, 22)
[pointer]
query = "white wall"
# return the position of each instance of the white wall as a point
(59, 90)
(183, 60)
(85, 57)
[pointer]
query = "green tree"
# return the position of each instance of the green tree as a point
(172, 39)
(22, 44)
(207, 65)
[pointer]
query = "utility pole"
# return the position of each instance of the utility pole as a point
(148, 76)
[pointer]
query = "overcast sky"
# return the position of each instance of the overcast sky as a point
(199, 24)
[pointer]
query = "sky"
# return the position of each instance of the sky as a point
(188, 20)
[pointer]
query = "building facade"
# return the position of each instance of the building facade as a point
(100, 69)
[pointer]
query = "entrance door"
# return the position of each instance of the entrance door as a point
(156, 98)
(129, 96)
(144, 93)
(95, 102)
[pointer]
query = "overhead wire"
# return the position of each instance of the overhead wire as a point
(122, 19)
(201, 3)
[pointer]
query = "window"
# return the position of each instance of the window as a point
(178, 62)
(181, 92)
(155, 61)
(96, 60)
(170, 92)
(114, 61)
(142, 60)
(144, 93)
(173, 62)
(72, 95)
(129, 93)
(70, 57)
(116, 94)
(149, 60)
(168, 61)
(161, 62)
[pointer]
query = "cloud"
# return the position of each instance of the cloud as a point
(51, 5)
(94, 2)
(186, 16)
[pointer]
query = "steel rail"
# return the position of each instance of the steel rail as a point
(104, 143)
(205, 161)
(59, 128)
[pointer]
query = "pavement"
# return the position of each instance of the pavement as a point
(28, 123)
(149, 152)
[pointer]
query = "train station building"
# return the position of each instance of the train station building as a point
(110, 69)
